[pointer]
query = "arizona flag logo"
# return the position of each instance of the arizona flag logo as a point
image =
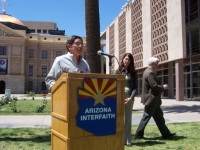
(97, 106)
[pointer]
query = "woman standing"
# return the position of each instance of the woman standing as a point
(128, 70)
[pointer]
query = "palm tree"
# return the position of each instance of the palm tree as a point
(93, 35)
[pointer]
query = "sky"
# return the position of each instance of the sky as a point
(68, 14)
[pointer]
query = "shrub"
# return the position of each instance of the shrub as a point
(13, 106)
(11, 101)
(42, 107)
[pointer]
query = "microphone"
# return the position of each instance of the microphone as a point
(100, 52)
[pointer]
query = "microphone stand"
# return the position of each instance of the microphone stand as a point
(110, 61)
(110, 64)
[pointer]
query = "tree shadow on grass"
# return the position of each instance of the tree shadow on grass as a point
(145, 143)
(155, 141)
(174, 138)
(36, 139)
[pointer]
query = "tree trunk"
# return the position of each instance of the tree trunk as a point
(93, 35)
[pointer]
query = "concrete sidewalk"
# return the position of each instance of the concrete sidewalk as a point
(25, 121)
(174, 111)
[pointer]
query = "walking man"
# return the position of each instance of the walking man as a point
(151, 98)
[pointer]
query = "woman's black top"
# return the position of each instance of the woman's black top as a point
(132, 82)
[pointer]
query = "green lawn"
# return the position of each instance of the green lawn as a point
(187, 138)
(39, 138)
(25, 139)
(38, 95)
(26, 107)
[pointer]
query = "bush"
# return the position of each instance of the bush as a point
(13, 106)
(42, 107)
(2, 101)
(11, 101)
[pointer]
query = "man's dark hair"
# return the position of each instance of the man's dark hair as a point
(72, 39)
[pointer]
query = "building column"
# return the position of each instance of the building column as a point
(116, 49)
(146, 31)
(9, 57)
(179, 80)
(23, 57)
(170, 79)
(176, 29)
(129, 41)
(107, 49)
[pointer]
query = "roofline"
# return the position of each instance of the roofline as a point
(103, 35)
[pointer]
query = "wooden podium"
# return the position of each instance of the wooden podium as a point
(65, 134)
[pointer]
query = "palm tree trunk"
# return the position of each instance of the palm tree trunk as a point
(93, 35)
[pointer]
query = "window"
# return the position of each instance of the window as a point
(43, 86)
(44, 31)
(32, 30)
(58, 53)
(30, 70)
(44, 71)
(2, 50)
(38, 31)
(44, 54)
(30, 53)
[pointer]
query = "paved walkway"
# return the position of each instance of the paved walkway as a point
(174, 111)
(25, 121)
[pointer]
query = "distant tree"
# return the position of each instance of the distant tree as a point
(93, 35)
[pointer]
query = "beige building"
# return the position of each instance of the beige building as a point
(40, 27)
(27, 52)
(166, 29)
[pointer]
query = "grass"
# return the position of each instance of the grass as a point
(136, 112)
(187, 138)
(39, 138)
(25, 138)
(27, 96)
(37, 95)
(26, 107)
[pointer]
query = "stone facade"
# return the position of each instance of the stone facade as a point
(19, 58)
(157, 28)
(16, 83)
(30, 56)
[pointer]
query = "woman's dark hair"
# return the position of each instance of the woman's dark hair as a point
(131, 67)
(72, 39)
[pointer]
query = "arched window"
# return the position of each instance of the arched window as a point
(2, 87)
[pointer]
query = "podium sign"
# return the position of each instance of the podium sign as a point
(97, 106)
(88, 112)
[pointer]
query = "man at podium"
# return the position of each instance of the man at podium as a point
(70, 62)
